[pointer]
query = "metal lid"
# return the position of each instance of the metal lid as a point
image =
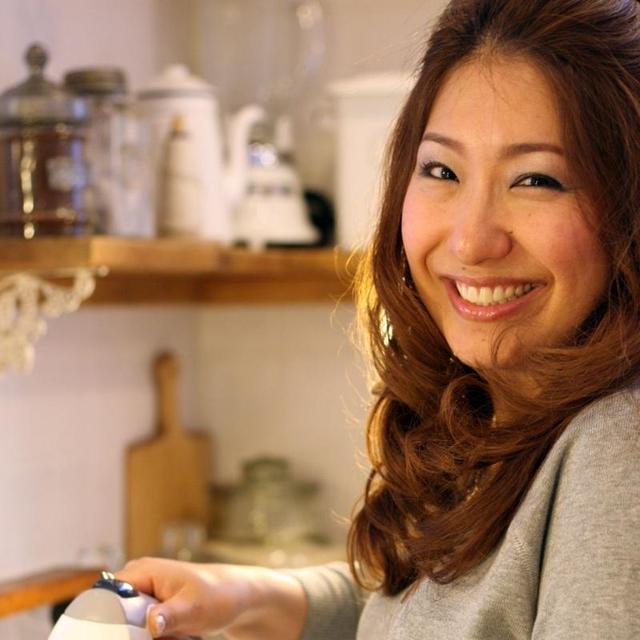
(38, 100)
(96, 81)
(177, 80)
(266, 469)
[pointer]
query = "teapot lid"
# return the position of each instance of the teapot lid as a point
(38, 100)
(177, 80)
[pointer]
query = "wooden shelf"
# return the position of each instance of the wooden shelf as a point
(186, 271)
(45, 588)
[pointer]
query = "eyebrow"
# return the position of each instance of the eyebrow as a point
(509, 151)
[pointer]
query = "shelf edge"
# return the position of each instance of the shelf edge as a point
(45, 588)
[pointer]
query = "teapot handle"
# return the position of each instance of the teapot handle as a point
(239, 129)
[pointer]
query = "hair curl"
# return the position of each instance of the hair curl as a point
(430, 431)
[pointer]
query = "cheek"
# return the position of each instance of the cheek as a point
(573, 254)
(408, 220)
(417, 229)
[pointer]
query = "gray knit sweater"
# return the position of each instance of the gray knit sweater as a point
(568, 566)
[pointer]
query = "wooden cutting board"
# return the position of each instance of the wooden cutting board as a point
(168, 474)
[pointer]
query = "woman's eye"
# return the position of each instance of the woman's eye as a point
(539, 180)
(437, 171)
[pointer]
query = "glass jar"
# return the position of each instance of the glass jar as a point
(116, 147)
(269, 507)
(44, 173)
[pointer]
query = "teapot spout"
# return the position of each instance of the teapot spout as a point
(238, 141)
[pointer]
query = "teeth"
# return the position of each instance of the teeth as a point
(472, 294)
(484, 296)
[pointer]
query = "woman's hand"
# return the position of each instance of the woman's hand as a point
(242, 602)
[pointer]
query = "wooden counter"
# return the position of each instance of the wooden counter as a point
(45, 588)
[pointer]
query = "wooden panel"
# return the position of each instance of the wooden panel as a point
(168, 473)
(44, 588)
(136, 290)
(177, 271)
(128, 255)
(44, 253)
(274, 262)
(264, 291)
(160, 255)
(133, 289)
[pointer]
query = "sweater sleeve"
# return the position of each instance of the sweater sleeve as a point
(334, 602)
(590, 572)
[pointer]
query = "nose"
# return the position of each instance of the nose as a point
(479, 231)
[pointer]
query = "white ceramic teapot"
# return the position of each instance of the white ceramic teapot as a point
(222, 177)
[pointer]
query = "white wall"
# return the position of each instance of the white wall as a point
(66, 425)
(64, 428)
(64, 431)
(286, 381)
(262, 379)
(77, 33)
(362, 36)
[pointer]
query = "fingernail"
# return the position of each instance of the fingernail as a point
(159, 623)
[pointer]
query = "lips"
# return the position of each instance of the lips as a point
(489, 300)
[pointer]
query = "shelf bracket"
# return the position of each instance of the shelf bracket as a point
(27, 301)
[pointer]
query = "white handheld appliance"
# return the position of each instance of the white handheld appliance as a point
(110, 610)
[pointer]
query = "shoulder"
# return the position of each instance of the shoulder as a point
(587, 547)
(592, 474)
(589, 477)
(605, 433)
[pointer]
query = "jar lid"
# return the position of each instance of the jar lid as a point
(177, 80)
(38, 100)
(96, 81)
(266, 469)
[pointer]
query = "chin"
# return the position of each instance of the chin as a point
(509, 357)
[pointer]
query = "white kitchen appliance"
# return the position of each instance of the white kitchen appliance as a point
(221, 181)
(366, 107)
(110, 610)
(273, 211)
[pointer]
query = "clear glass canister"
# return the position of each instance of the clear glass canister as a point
(270, 507)
(44, 172)
(117, 144)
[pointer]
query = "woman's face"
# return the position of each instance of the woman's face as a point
(492, 227)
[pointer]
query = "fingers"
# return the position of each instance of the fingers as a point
(166, 580)
(177, 616)
(156, 622)
(136, 573)
(191, 597)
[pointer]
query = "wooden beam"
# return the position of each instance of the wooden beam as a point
(46, 588)
(186, 271)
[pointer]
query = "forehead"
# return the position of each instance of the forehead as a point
(496, 101)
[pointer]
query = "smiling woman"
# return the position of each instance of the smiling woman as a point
(501, 304)
(493, 226)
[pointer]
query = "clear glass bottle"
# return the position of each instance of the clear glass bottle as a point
(116, 149)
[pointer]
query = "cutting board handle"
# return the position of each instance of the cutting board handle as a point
(166, 374)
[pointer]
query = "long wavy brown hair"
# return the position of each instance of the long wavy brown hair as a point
(430, 432)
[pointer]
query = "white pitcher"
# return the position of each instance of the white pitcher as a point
(223, 169)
